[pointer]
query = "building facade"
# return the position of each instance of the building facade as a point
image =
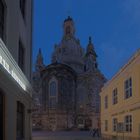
(15, 69)
(120, 103)
(77, 82)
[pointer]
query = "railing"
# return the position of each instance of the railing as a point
(12, 68)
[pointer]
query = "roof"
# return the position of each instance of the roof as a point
(124, 67)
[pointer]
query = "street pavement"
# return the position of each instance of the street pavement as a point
(63, 135)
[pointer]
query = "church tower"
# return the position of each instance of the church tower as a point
(39, 61)
(90, 57)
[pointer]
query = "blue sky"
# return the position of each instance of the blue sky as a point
(113, 24)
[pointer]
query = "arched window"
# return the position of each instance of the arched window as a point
(53, 88)
(52, 94)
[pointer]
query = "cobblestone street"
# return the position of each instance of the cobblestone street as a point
(63, 135)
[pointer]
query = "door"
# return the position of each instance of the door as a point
(1, 116)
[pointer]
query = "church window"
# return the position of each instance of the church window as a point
(53, 88)
(53, 95)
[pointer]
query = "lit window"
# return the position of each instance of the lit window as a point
(20, 120)
(21, 55)
(106, 125)
(128, 123)
(2, 18)
(114, 124)
(106, 101)
(115, 96)
(22, 7)
(53, 95)
(128, 88)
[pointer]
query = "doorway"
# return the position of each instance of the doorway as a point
(1, 116)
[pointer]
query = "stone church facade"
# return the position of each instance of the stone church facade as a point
(67, 91)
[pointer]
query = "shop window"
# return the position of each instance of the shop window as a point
(106, 102)
(106, 125)
(2, 19)
(20, 121)
(128, 123)
(128, 88)
(115, 96)
(21, 56)
(52, 94)
(22, 7)
(114, 124)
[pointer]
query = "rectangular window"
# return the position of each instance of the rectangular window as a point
(115, 96)
(22, 7)
(115, 124)
(2, 18)
(21, 56)
(106, 101)
(20, 120)
(128, 123)
(128, 88)
(106, 125)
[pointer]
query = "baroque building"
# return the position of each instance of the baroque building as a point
(67, 91)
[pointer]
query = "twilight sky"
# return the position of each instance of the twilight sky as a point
(113, 24)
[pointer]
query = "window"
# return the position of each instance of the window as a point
(115, 124)
(22, 7)
(115, 96)
(106, 125)
(128, 88)
(53, 88)
(106, 101)
(20, 120)
(2, 18)
(128, 123)
(21, 55)
(52, 94)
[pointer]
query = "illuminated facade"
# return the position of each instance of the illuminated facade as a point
(78, 80)
(120, 103)
(15, 69)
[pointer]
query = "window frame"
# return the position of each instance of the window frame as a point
(54, 96)
(128, 88)
(128, 120)
(21, 56)
(106, 101)
(115, 123)
(115, 96)
(106, 125)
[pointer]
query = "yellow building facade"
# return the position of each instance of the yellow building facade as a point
(120, 103)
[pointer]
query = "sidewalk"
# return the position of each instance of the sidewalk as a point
(63, 135)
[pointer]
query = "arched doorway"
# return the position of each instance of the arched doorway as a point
(1, 116)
